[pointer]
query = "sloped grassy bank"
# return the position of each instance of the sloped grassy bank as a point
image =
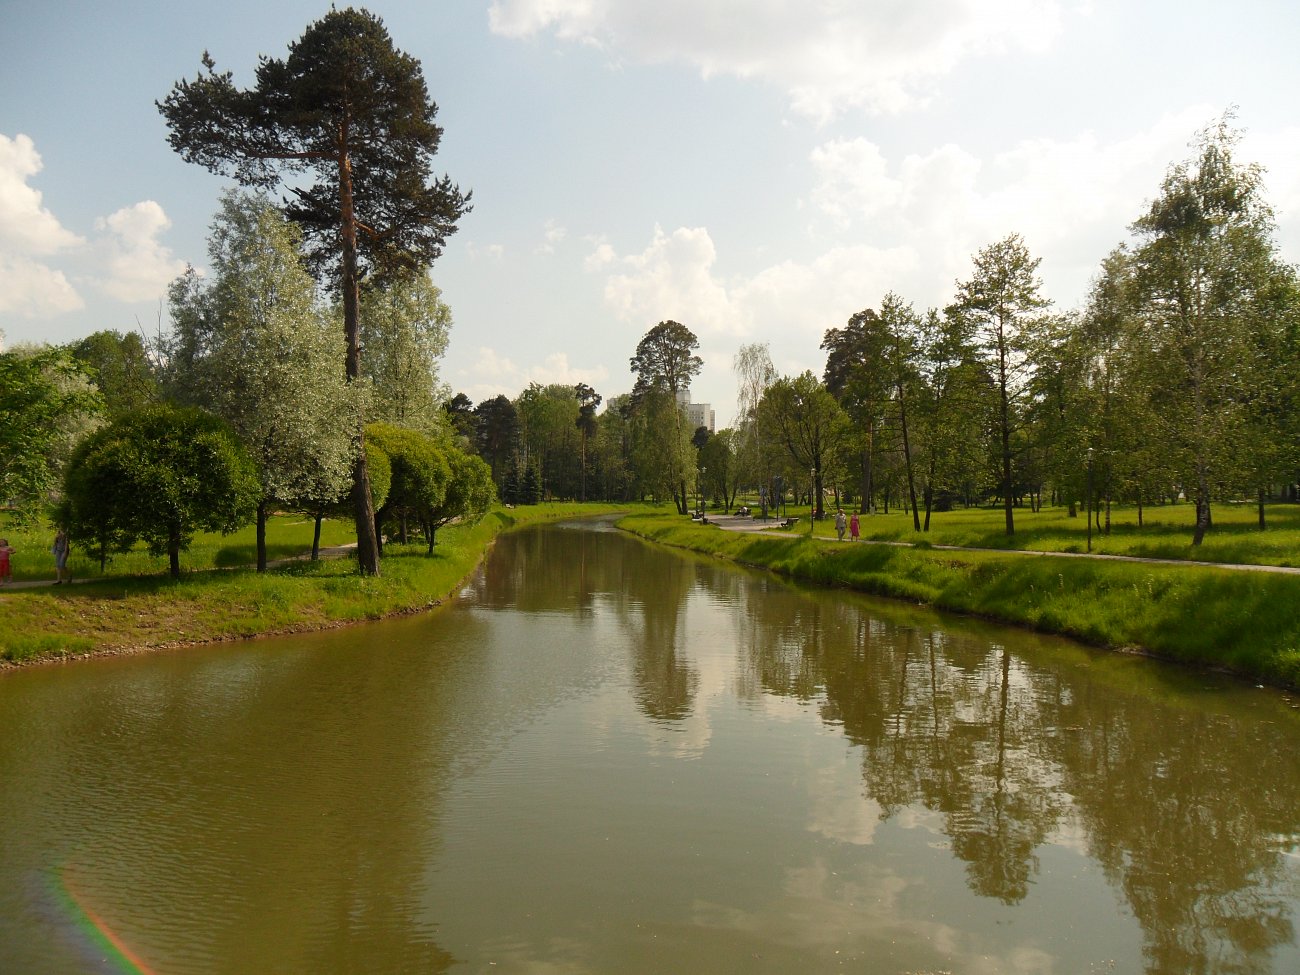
(1244, 622)
(129, 613)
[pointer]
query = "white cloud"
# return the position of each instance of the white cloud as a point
(829, 56)
(32, 290)
(26, 226)
(672, 279)
(1072, 200)
(492, 374)
(552, 236)
(138, 266)
(485, 252)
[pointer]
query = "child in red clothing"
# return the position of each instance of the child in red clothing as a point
(6, 573)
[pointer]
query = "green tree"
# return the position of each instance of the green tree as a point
(460, 417)
(46, 402)
(470, 493)
(1000, 306)
(665, 359)
(588, 403)
(858, 376)
(754, 373)
(404, 330)
(612, 450)
(496, 436)
(158, 475)
(1205, 274)
(807, 421)
(955, 411)
(549, 436)
(346, 105)
(420, 476)
(121, 369)
(250, 345)
(718, 467)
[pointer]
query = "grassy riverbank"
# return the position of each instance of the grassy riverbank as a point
(1244, 622)
(122, 611)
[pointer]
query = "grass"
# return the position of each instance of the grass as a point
(287, 536)
(1166, 531)
(126, 611)
(1243, 622)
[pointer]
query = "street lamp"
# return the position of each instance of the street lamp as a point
(1088, 499)
(700, 488)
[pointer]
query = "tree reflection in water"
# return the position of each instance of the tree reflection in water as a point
(1191, 816)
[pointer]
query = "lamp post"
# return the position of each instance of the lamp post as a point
(700, 488)
(1088, 500)
(812, 500)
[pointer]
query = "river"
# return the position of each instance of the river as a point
(604, 756)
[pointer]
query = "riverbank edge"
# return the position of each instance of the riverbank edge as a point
(1244, 624)
(465, 561)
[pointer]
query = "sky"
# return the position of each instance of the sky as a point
(758, 170)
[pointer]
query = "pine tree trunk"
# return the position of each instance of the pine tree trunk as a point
(363, 507)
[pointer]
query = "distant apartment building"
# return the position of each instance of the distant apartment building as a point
(697, 414)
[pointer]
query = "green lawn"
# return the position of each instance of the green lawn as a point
(286, 536)
(1166, 531)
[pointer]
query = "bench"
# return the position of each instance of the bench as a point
(789, 523)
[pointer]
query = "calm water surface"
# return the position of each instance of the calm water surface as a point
(605, 757)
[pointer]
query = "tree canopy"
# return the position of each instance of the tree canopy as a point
(158, 475)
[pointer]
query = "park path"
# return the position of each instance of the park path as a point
(740, 523)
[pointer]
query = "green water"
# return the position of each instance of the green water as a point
(606, 757)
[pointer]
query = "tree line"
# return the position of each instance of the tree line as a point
(1175, 380)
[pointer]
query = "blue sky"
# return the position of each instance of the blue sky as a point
(758, 170)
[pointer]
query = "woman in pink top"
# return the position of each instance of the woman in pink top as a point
(853, 527)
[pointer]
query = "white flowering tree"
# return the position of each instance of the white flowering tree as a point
(253, 346)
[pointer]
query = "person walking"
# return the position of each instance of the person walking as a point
(853, 527)
(6, 572)
(839, 523)
(60, 552)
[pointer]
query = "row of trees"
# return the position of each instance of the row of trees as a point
(1175, 379)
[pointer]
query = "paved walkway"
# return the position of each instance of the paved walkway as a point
(741, 523)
